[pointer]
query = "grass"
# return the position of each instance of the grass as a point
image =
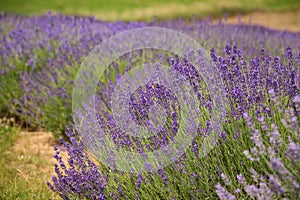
(21, 172)
(144, 10)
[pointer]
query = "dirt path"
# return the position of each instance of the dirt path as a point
(32, 155)
(280, 20)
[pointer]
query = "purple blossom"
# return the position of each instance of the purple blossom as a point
(278, 166)
(241, 179)
(293, 151)
(276, 186)
(223, 193)
(81, 177)
(251, 190)
(225, 179)
(139, 181)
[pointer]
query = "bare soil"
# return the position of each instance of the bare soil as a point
(289, 21)
(32, 155)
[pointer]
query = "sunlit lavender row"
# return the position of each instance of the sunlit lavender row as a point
(257, 155)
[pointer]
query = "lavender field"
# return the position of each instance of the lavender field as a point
(257, 153)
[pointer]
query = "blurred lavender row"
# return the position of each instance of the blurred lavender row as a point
(45, 52)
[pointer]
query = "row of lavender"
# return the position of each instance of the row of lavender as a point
(45, 52)
(41, 55)
(266, 169)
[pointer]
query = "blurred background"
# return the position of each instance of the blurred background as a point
(279, 14)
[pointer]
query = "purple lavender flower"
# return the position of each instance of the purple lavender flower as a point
(139, 181)
(241, 179)
(293, 151)
(223, 193)
(276, 185)
(81, 178)
(278, 166)
(225, 179)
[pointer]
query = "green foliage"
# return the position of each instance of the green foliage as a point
(135, 10)
(227, 157)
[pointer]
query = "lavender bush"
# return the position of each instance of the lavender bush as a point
(257, 155)
(258, 172)
(41, 55)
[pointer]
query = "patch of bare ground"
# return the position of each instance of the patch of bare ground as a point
(32, 156)
(287, 20)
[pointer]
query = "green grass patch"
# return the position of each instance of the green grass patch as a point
(145, 10)
(12, 184)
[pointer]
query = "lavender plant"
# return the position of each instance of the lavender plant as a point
(81, 179)
(192, 177)
(41, 55)
(276, 147)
